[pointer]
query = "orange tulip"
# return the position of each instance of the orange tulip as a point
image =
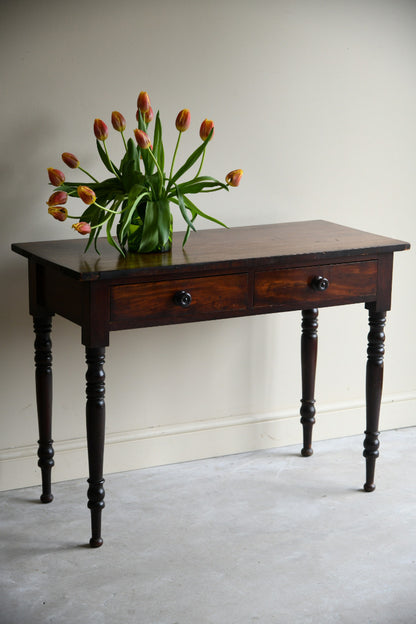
(86, 194)
(206, 127)
(147, 116)
(100, 130)
(233, 178)
(56, 177)
(58, 212)
(82, 227)
(143, 102)
(142, 139)
(118, 121)
(70, 160)
(183, 120)
(59, 197)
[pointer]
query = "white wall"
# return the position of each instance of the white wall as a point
(315, 100)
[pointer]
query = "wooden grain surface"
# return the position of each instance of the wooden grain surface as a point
(304, 240)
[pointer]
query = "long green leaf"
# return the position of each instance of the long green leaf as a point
(158, 150)
(105, 159)
(191, 160)
(180, 202)
(199, 212)
(197, 185)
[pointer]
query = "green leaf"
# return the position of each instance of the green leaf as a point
(191, 160)
(180, 202)
(195, 210)
(110, 238)
(158, 150)
(136, 195)
(156, 227)
(197, 185)
(106, 161)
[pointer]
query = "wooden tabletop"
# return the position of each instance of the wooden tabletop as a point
(303, 240)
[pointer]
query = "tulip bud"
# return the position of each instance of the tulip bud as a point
(70, 160)
(206, 127)
(86, 194)
(142, 139)
(143, 102)
(58, 212)
(56, 177)
(147, 116)
(183, 120)
(100, 130)
(118, 121)
(233, 178)
(82, 227)
(59, 197)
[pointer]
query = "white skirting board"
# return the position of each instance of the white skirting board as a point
(157, 446)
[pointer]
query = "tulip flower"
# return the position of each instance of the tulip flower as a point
(118, 121)
(58, 212)
(82, 227)
(100, 130)
(233, 178)
(148, 115)
(70, 160)
(142, 139)
(206, 127)
(56, 177)
(143, 102)
(183, 120)
(59, 197)
(86, 194)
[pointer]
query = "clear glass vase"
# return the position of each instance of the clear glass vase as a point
(151, 228)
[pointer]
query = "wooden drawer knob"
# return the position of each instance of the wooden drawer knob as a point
(182, 298)
(319, 283)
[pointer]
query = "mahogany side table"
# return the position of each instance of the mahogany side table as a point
(219, 274)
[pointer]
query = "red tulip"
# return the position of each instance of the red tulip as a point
(56, 177)
(86, 194)
(118, 121)
(143, 102)
(100, 130)
(148, 115)
(59, 197)
(58, 212)
(206, 127)
(233, 178)
(183, 120)
(70, 160)
(82, 227)
(142, 139)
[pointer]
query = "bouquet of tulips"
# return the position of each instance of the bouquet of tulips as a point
(139, 192)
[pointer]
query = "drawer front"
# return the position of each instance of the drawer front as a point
(316, 286)
(181, 300)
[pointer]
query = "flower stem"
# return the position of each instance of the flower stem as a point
(174, 154)
(124, 140)
(158, 168)
(109, 161)
(88, 174)
(202, 162)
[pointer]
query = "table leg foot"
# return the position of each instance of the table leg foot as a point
(95, 416)
(309, 350)
(374, 387)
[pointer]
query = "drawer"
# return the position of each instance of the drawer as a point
(316, 286)
(180, 300)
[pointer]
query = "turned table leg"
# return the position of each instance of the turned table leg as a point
(374, 387)
(309, 349)
(42, 326)
(95, 416)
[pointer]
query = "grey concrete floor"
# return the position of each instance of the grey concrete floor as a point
(264, 537)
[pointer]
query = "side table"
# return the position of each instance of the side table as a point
(219, 274)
